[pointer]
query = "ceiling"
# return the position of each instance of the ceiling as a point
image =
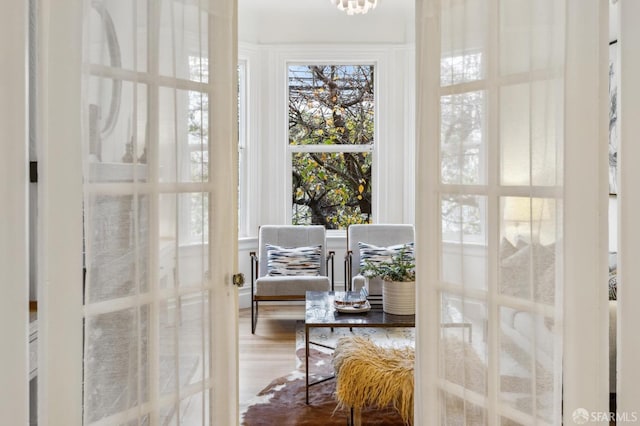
(318, 6)
(308, 21)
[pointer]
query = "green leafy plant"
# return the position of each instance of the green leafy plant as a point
(401, 267)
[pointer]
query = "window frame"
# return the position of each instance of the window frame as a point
(451, 88)
(372, 148)
(243, 148)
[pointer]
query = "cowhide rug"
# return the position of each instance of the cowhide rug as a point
(282, 402)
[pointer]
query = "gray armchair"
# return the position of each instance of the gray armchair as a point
(291, 260)
(381, 235)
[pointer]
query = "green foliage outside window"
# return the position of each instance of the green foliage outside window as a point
(328, 106)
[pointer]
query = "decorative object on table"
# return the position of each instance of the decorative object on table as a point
(349, 302)
(399, 282)
(357, 308)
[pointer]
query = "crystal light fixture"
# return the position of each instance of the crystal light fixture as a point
(353, 7)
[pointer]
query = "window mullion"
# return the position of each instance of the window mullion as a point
(331, 148)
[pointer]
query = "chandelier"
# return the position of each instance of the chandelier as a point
(353, 7)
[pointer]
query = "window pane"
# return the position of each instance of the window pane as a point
(198, 125)
(528, 30)
(526, 362)
(117, 34)
(331, 104)
(116, 370)
(331, 189)
(527, 248)
(117, 247)
(183, 133)
(464, 359)
(464, 222)
(463, 41)
(463, 218)
(183, 51)
(462, 136)
(528, 139)
(116, 138)
(460, 69)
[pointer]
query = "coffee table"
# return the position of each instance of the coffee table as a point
(320, 312)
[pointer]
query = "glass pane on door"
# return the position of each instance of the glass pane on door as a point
(148, 292)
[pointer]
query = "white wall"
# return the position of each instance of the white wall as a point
(318, 21)
(272, 33)
(14, 260)
(268, 161)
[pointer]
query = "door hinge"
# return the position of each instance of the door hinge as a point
(33, 171)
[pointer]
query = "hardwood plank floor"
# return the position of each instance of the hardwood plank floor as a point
(269, 353)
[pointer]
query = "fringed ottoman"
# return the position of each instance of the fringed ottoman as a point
(371, 375)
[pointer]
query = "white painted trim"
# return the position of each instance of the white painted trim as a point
(585, 301)
(250, 56)
(14, 226)
(409, 135)
(331, 148)
(60, 214)
(223, 213)
(426, 407)
(628, 351)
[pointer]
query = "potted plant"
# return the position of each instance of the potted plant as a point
(399, 282)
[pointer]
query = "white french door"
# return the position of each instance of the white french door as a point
(158, 309)
(499, 206)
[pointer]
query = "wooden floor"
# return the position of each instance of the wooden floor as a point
(269, 353)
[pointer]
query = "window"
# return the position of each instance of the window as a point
(331, 142)
(243, 171)
(198, 155)
(462, 147)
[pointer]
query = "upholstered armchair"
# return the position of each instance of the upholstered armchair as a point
(370, 241)
(291, 260)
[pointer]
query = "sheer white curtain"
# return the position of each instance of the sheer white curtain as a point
(147, 194)
(491, 238)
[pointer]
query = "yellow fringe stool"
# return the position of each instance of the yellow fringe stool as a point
(371, 375)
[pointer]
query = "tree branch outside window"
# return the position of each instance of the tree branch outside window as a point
(331, 106)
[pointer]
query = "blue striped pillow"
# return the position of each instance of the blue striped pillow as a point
(283, 261)
(377, 255)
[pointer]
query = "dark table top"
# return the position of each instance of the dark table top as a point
(321, 312)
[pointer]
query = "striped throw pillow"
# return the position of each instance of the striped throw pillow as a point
(282, 261)
(376, 255)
